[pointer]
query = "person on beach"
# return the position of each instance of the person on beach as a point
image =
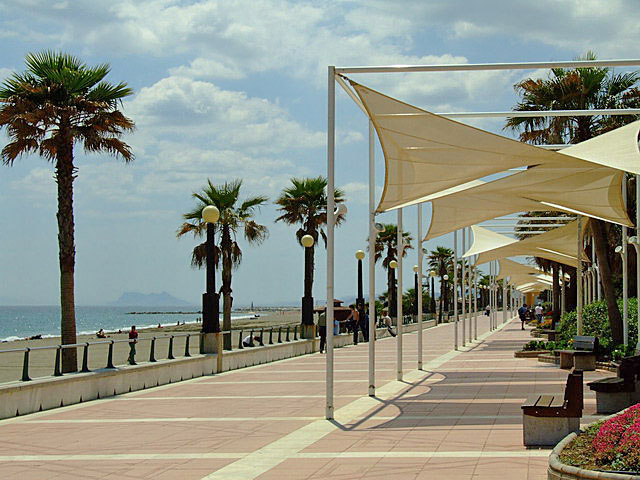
(101, 334)
(322, 329)
(487, 310)
(386, 319)
(133, 339)
(248, 341)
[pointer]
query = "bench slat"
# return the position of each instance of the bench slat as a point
(545, 401)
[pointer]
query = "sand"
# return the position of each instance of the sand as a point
(41, 362)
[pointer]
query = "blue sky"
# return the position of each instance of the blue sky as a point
(237, 89)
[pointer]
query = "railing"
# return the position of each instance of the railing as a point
(269, 336)
(111, 345)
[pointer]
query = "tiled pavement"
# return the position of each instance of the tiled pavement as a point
(458, 419)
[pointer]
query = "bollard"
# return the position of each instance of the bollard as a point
(186, 347)
(152, 350)
(85, 358)
(110, 356)
(170, 356)
(288, 334)
(261, 337)
(279, 334)
(271, 336)
(295, 332)
(25, 366)
(240, 341)
(56, 368)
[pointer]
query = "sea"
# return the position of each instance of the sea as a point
(21, 322)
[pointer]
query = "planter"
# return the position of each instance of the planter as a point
(560, 471)
(529, 353)
(549, 358)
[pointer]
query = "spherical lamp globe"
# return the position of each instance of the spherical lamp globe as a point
(415, 268)
(432, 273)
(307, 241)
(210, 214)
(445, 277)
(359, 254)
(393, 264)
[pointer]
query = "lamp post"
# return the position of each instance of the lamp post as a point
(360, 298)
(432, 306)
(307, 241)
(211, 298)
(636, 243)
(445, 278)
(392, 264)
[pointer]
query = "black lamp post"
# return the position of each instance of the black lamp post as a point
(211, 298)
(360, 298)
(432, 274)
(307, 242)
(416, 290)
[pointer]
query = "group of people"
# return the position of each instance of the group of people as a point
(527, 314)
(354, 323)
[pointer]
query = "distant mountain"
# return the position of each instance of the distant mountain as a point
(137, 299)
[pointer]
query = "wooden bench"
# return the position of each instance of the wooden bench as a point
(617, 393)
(548, 418)
(583, 355)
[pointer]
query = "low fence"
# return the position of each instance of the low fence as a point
(57, 390)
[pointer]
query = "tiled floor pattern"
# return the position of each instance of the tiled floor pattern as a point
(459, 418)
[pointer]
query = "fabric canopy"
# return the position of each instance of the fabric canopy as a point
(509, 268)
(559, 245)
(575, 187)
(426, 153)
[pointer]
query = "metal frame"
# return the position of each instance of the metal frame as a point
(333, 77)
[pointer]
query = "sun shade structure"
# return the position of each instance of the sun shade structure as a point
(426, 154)
(575, 186)
(559, 245)
(509, 268)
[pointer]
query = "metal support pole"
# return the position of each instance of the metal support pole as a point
(455, 289)
(625, 287)
(463, 276)
(504, 300)
(419, 292)
(470, 295)
(475, 304)
(331, 132)
(372, 264)
(400, 250)
(563, 307)
(579, 279)
(637, 260)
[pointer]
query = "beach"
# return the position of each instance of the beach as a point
(41, 362)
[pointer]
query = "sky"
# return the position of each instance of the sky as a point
(237, 89)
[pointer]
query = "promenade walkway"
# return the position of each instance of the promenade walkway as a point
(458, 419)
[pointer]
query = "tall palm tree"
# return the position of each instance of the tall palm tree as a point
(581, 89)
(57, 102)
(235, 215)
(386, 246)
(441, 260)
(304, 203)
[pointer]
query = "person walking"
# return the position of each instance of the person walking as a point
(522, 313)
(133, 339)
(354, 319)
(322, 329)
(539, 314)
(386, 319)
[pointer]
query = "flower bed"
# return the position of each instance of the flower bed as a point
(610, 445)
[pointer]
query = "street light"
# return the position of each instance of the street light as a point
(360, 299)
(432, 274)
(307, 242)
(210, 299)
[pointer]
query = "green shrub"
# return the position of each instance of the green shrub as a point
(596, 323)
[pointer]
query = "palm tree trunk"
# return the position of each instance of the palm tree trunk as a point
(601, 245)
(67, 253)
(227, 265)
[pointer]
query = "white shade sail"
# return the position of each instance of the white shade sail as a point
(426, 153)
(559, 245)
(509, 268)
(575, 187)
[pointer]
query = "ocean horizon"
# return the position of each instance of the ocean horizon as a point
(18, 322)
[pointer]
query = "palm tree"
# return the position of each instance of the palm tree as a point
(234, 215)
(440, 261)
(386, 244)
(581, 89)
(304, 203)
(55, 103)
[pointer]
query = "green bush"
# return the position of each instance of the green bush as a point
(596, 323)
